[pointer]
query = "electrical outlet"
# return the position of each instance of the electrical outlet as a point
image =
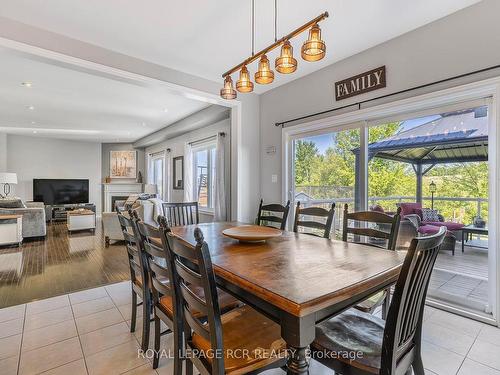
(274, 178)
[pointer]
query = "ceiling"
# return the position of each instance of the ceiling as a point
(205, 38)
(72, 104)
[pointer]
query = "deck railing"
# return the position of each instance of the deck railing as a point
(391, 202)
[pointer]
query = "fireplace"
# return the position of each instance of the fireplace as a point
(119, 191)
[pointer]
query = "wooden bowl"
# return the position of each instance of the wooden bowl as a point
(251, 233)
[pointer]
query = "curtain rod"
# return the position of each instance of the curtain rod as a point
(358, 104)
(222, 134)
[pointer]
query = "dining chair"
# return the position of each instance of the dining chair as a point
(269, 213)
(138, 276)
(318, 220)
(241, 330)
(379, 229)
(182, 213)
(370, 345)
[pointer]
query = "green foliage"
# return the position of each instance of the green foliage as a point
(332, 175)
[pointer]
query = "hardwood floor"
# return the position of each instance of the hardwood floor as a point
(60, 264)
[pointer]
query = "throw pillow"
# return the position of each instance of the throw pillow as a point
(429, 215)
(11, 203)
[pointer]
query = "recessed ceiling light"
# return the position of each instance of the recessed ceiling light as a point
(34, 132)
(30, 107)
(143, 124)
(27, 84)
(33, 122)
(165, 110)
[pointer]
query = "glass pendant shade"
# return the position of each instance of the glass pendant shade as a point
(286, 64)
(314, 48)
(244, 84)
(228, 92)
(264, 75)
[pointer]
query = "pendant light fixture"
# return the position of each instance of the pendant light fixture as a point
(244, 84)
(264, 75)
(286, 64)
(228, 92)
(314, 48)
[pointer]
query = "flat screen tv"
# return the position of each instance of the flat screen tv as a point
(58, 191)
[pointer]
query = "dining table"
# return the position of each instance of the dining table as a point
(295, 279)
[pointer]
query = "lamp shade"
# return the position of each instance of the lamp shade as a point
(432, 187)
(244, 84)
(228, 92)
(264, 75)
(150, 189)
(8, 178)
(286, 64)
(314, 48)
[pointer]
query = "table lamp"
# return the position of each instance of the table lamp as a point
(6, 179)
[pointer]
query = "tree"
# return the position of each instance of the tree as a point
(306, 157)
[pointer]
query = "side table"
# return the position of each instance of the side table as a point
(11, 229)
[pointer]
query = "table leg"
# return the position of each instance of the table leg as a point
(298, 361)
(299, 333)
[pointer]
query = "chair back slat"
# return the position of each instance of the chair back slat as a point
(403, 329)
(137, 264)
(192, 269)
(321, 229)
(362, 218)
(267, 213)
(182, 213)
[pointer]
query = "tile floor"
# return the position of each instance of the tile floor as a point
(88, 333)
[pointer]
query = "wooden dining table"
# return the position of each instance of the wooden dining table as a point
(297, 280)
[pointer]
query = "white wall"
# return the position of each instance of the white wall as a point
(3, 152)
(36, 157)
(176, 146)
(462, 42)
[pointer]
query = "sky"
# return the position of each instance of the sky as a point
(325, 140)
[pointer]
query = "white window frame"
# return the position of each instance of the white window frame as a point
(152, 157)
(204, 146)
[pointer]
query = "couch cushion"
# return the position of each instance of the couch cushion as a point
(430, 215)
(428, 229)
(410, 208)
(12, 203)
(448, 224)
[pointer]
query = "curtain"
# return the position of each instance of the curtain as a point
(188, 173)
(220, 202)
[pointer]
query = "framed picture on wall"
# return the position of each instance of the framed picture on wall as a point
(178, 168)
(123, 164)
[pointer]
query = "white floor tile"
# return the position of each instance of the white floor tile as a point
(98, 320)
(73, 368)
(92, 306)
(87, 295)
(440, 360)
(456, 323)
(50, 357)
(470, 367)
(143, 370)
(105, 338)
(11, 313)
(116, 360)
(48, 304)
(11, 327)
(48, 318)
(49, 335)
(490, 334)
(9, 366)
(447, 338)
(486, 353)
(9, 346)
(126, 311)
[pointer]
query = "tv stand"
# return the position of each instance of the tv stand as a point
(60, 212)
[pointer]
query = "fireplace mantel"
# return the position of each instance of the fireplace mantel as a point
(120, 189)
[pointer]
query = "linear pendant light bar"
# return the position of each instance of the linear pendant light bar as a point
(289, 36)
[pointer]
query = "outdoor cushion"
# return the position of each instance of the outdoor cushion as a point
(428, 229)
(448, 224)
(377, 208)
(410, 208)
(429, 215)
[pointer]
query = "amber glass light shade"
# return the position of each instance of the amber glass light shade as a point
(314, 48)
(228, 92)
(244, 84)
(286, 64)
(264, 75)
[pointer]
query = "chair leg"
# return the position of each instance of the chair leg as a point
(178, 352)
(189, 367)
(387, 304)
(146, 316)
(418, 366)
(134, 311)
(156, 358)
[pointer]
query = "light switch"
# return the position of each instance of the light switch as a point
(274, 178)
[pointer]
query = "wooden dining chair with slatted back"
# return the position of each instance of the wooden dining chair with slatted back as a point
(138, 275)
(273, 213)
(371, 345)
(378, 229)
(183, 213)
(162, 292)
(316, 221)
(243, 336)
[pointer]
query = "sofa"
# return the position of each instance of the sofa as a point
(34, 223)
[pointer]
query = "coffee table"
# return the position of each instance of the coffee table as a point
(470, 230)
(81, 219)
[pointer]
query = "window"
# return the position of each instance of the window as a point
(157, 172)
(204, 172)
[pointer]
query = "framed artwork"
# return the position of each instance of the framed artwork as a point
(178, 168)
(123, 164)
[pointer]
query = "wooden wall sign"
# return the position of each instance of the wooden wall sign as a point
(373, 80)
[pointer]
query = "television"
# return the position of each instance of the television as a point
(60, 191)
